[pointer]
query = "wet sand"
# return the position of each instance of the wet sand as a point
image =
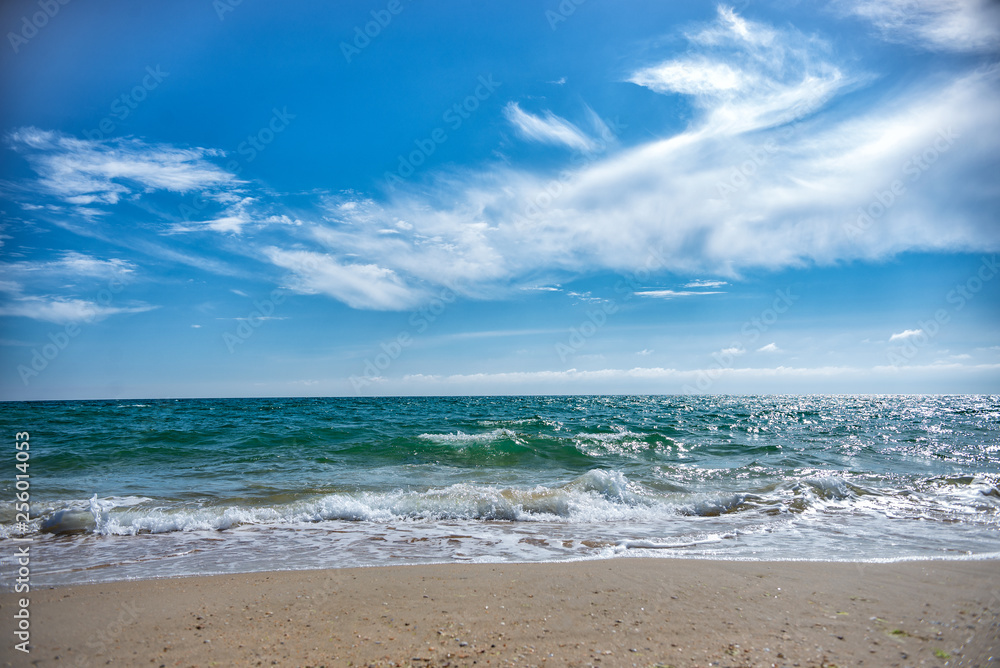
(623, 612)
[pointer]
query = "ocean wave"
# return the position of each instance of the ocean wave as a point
(596, 497)
(618, 434)
(461, 437)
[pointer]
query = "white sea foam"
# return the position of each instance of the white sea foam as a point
(461, 437)
(596, 498)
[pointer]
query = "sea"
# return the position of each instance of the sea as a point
(140, 489)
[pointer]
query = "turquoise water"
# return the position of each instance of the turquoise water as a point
(124, 489)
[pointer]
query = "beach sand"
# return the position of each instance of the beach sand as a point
(623, 612)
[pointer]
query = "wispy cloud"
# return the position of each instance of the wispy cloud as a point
(72, 264)
(497, 333)
(64, 311)
(467, 229)
(69, 273)
(358, 285)
(66, 273)
(548, 129)
(769, 348)
(88, 172)
(238, 213)
(747, 75)
(936, 25)
(705, 284)
(671, 294)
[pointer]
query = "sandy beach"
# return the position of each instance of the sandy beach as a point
(624, 612)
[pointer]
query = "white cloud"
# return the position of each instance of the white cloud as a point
(747, 75)
(732, 351)
(583, 296)
(905, 334)
(494, 333)
(64, 311)
(62, 273)
(468, 230)
(705, 284)
(367, 286)
(640, 378)
(87, 171)
(80, 264)
(238, 213)
(71, 265)
(769, 348)
(68, 273)
(644, 352)
(486, 232)
(691, 77)
(936, 25)
(550, 129)
(670, 294)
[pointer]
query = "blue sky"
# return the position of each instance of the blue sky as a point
(261, 199)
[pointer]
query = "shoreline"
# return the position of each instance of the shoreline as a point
(618, 612)
(975, 558)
